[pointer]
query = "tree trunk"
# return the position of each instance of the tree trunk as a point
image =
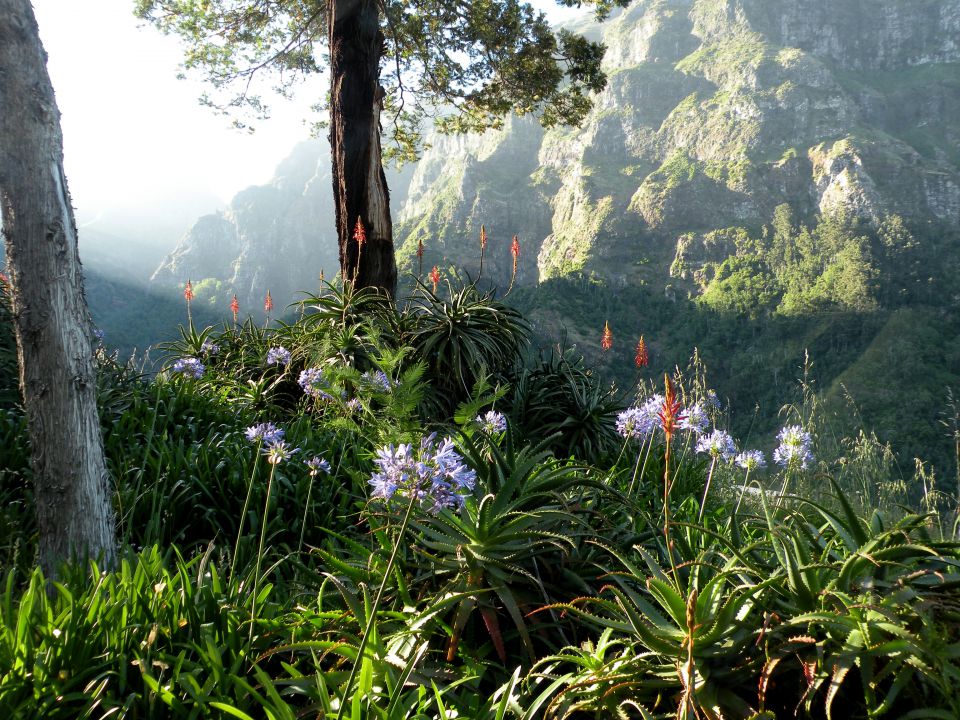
(51, 320)
(359, 185)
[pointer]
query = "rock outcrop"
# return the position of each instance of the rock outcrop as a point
(278, 237)
(716, 111)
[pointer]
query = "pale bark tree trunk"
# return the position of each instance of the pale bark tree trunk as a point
(51, 320)
(359, 185)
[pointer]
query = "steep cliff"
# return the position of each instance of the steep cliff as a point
(276, 237)
(716, 112)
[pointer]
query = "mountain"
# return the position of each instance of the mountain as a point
(277, 237)
(716, 112)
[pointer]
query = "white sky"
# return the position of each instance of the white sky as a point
(132, 131)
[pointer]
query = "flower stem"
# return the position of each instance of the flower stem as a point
(667, 484)
(376, 605)
(636, 468)
(306, 509)
(783, 490)
(243, 514)
(743, 491)
(263, 535)
(703, 502)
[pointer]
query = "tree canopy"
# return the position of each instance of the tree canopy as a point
(462, 64)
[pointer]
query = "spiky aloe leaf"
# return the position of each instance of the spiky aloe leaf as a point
(669, 599)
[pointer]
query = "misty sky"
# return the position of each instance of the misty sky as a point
(133, 133)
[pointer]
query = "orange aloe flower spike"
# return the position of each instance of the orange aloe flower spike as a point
(642, 358)
(606, 340)
(360, 233)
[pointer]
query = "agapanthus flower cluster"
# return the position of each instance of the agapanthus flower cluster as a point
(640, 421)
(492, 422)
(314, 384)
(278, 451)
(695, 419)
(98, 334)
(188, 367)
(794, 449)
(717, 444)
(209, 348)
(317, 465)
(354, 405)
(278, 356)
(378, 380)
(751, 460)
(435, 474)
(267, 432)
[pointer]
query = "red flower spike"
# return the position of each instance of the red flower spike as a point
(483, 237)
(435, 277)
(642, 358)
(268, 303)
(606, 340)
(420, 249)
(360, 233)
(515, 249)
(188, 291)
(235, 307)
(670, 415)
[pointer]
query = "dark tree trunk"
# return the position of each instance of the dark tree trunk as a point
(51, 321)
(359, 185)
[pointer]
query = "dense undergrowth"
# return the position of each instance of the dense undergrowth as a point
(560, 557)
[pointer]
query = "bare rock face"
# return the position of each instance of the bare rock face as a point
(716, 111)
(277, 237)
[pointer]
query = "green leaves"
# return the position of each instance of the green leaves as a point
(462, 337)
(478, 61)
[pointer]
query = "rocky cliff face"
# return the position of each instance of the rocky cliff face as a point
(276, 237)
(716, 111)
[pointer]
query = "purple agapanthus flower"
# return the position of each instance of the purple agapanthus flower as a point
(435, 474)
(188, 367)
(717, 444)
(642, 420)
(492, 422)
(209, 348)
(314, 384)
(378, 380)
(695, 419)
(317, 465)
(751, 460)
(794, 449)
(278, 451)
(266, 432)
(278, 356)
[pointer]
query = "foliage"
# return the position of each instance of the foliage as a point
(562, 401)
(461, 338)
(570, 582)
